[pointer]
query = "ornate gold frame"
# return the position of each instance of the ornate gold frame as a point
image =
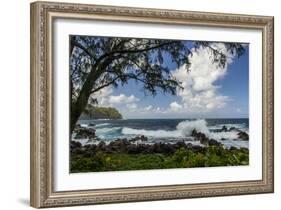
(42, 16)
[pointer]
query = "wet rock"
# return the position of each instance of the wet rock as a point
(243, 135)
(143, 148)
(198, 149)
(167, 148)
(180, 144)
(85, 133)
(75, 144)
(143, 138)
(156, 148)
(224, 129)
(194, 133)
(204, 140)
(189, 146)
(213, 142)
(138, 148)
(132, 149)
(102, 146)
(138, 138)
(75, 147)
(234, 129)
(201, 137)
(244, 149)
(119, 145)
(232, 148)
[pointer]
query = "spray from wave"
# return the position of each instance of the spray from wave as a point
(183, 129)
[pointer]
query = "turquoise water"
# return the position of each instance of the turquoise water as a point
(169, 130)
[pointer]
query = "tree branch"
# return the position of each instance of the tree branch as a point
(76, 44)
(142, 50)
(105, 85)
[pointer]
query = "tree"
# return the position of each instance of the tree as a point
(98, 62)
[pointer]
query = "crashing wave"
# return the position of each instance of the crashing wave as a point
(183, 129)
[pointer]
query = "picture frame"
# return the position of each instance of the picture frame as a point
(42, 179)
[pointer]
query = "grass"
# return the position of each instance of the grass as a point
(182, 158)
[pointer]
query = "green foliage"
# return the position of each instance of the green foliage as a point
(182, 158)
(99, 62)
(94, 112)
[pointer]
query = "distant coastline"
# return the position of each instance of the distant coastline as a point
(100, 113)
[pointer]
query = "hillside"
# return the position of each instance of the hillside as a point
(94, 112)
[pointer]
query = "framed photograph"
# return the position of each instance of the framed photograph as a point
(136, 104)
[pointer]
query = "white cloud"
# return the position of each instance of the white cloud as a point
(148, 108)
(121, 99)
(200, 94)
(105, 98)
(238, 110)
(175, 106)
(132, 106)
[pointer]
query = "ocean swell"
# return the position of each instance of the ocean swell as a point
(183, 129)
(152, 133)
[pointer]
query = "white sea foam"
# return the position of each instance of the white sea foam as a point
(152, 133)
(183, 129)
(186, 127)
(101, 125)
(108, 130)
(241, 127)
(223, 135)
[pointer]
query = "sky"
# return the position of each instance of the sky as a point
(209, 91)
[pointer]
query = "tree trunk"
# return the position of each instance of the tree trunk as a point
(79, 106)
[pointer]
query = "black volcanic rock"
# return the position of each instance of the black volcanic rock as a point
(243, 135)
(84, 133)
(200, 137)
(213, 142)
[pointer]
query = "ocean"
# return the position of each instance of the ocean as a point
(168, 130)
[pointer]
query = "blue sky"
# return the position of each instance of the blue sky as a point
(209, 91)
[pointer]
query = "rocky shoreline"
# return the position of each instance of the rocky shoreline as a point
(138, 144)
(125, 146)
(138, 153)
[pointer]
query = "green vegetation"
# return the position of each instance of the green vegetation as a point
(94, 112)
(183, 158)
(100, 62)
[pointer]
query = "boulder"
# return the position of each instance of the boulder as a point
(203, 139)
(75, 144)
(200, 137)
(194, 133)
(143, 138)
(132, 149)
(224, 129)
(234, 129)
(198, 149)
(138, 138)
(136, 148)
(180, 144)
(213, 142)
(119, 145)
(168, 148)
(232, 148)
(85, 133)
(243, 135)
(101, 146)
(133, 140)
